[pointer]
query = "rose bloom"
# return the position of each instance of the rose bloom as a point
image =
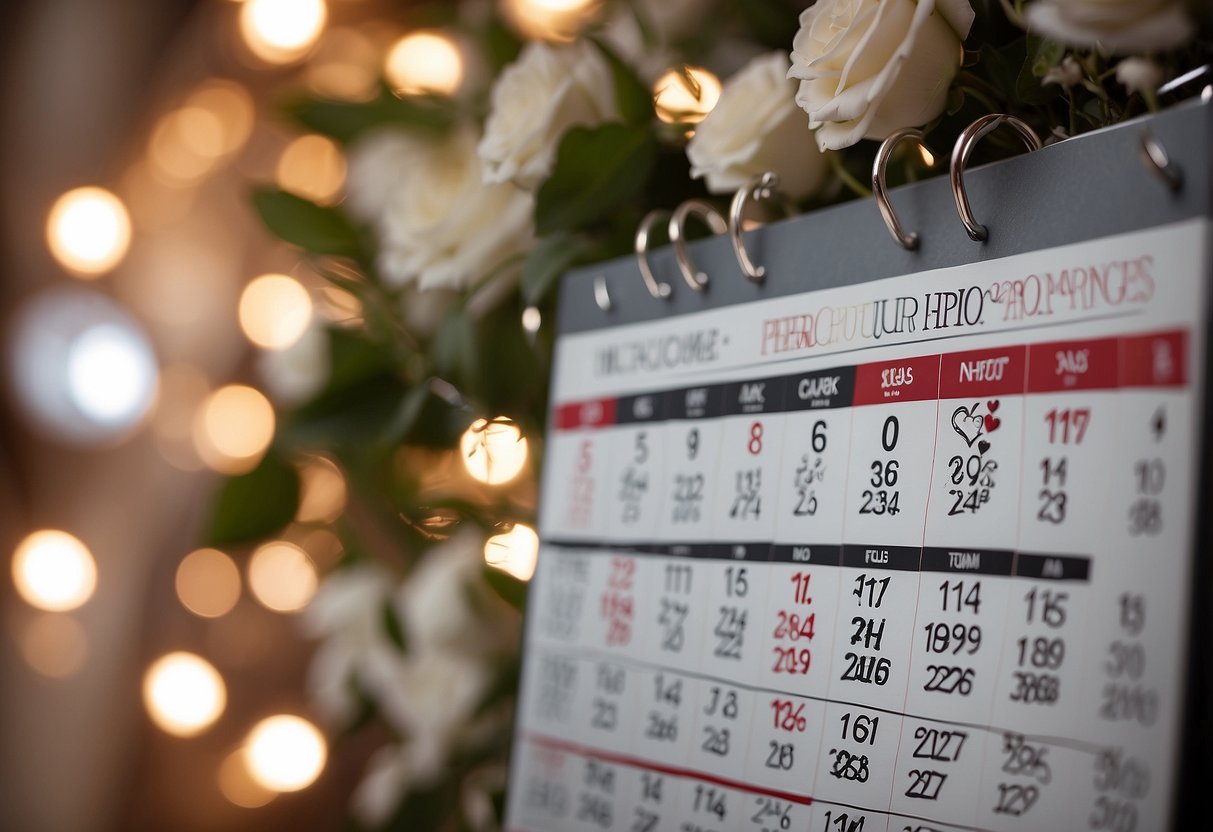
(756, 127)
(1118, 27)
(869, 67)
(535, 101)
(439, 224)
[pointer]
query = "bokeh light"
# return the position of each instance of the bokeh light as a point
(514, 551)
(285, 753)
(208, 583)
(53, 644)
(344, 66)
(323, 492)
(185, 145)
(282, 577)
(424, 62)
(554, 20)
(274, 311)
(88, 231)
(686, 96)
(184, 694)
(233, 428)
(493, 451)
(312, 167)
(183, 388)
(82, 367)
(54, 571)
(231, 105)
(238, 785)
(281, 31)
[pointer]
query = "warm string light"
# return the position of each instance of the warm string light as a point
(208, 583)
(233, 428)
(53, 644)
(282, 577)
(493, 452)
(285, 753)
(54, 571)
(312, 167)
(685, 97)
(88, 231)
(554, 20)
(423, 63)
(515, 551)
(184, 694)
(322, 493)
(238, 785)
(274, 311)
(282, 31)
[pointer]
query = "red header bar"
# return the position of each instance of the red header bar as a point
(1073, 365)
(595, 413)
(904, 380)
(1156, 360)
(979, 373)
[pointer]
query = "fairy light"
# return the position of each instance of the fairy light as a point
(515, 551)
(554, 20)
(208, 583)
(184, 694)
(323, 492)
(686, 97)
(238, 785)
(493, 452)
(233, 428)
(282, 577)
(285, 753)
(54, 571)
(274, 311)
(424, 63)
(88, 231)
(312, 167)
(282, 31)
(53, 645)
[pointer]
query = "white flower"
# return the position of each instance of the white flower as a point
(1066, 74)
(439, 225)
(1140, 75)
(1115, 26)
(869, 67)
(299, 371)
(641, 31)
(756, 127)
(535, 101)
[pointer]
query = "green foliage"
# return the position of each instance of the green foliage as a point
(344, 121)
(508, 588)
(314, 228)
(633, 98)
(597, 170)
(552, 257)
(254, 505)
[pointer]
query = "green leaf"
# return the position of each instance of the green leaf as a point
(511, 590)
(256, 504)
(453, 347)
(345, 120)
(634, 99)
(547, 261)
(312, 227)
(597, 170)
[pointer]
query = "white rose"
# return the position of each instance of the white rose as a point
(439, 224)
(756, 127)
(1140, 75)
(1115, 26)
(1066, 74)
(869, 67)
(535, 101)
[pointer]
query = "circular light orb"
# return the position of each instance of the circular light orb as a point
(493, 451)
(208, 583)
(274, 311)
(686, 96)
(81, 366)
(184, 694)
(422, 63)
(312, 167)
(282, 577)
(344, 66)
(285, 753)
(238, 785)
(282, 31)
(532, 319)
(514, 551)
(231, 105)
(88, 231)
(554, 20)
(233, 428)
(323, 492)
(54, 571)
(54, 645)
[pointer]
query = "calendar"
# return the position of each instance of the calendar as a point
(894, 541)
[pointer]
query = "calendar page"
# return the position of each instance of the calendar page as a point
(908, 554)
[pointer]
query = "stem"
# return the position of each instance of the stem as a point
(856, 187)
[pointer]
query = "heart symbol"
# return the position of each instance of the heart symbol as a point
(992, 423)
(983, 446)
(967, 423)
(992, 405)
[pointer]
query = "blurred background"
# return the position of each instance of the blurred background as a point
(141, 355)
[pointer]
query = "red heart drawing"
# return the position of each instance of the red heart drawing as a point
(992, 423)
(992, 405)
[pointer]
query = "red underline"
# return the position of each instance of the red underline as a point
(675, 771)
